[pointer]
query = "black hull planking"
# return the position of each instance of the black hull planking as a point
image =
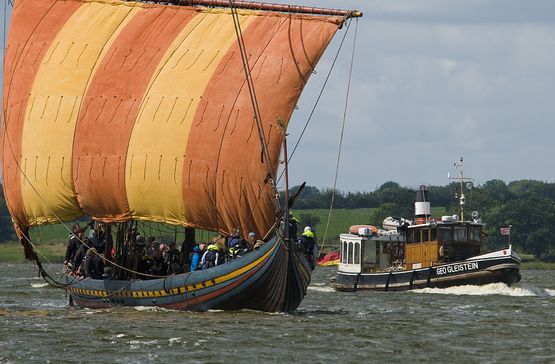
(272, 279)
(478, 272)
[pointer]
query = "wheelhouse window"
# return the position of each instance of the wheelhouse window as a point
(433, 234)
(460, 234)
(357, 253)
(474, 233)
(425, 235)
(417, 236)
(350, 253)
(445, 233)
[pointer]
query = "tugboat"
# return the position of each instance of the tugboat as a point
(428, 252)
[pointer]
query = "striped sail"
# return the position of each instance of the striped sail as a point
(133, 111)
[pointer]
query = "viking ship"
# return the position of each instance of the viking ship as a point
(168, 112)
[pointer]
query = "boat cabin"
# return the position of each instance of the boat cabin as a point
(441, 242)
(416, 246)
(365, 254)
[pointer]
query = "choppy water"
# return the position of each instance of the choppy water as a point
(487, 324)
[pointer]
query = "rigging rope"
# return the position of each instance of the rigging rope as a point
(318, 98)
(341, 137)
(254, 100)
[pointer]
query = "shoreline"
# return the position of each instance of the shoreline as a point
(54, 251)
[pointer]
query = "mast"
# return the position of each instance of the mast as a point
(461, 179)
(286, 214)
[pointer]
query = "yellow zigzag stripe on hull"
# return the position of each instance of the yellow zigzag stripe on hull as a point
(174, 291)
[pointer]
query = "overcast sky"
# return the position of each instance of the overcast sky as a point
(434, 80)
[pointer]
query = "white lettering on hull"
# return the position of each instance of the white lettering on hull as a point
(454, 268)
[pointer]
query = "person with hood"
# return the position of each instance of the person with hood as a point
(293, 227)
(211, 258)
(309, 246)
(235, 238)
(92, 266)
(195, 258)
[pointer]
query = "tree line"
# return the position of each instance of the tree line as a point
(527, 205)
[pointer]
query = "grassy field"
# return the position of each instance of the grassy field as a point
(13, 252)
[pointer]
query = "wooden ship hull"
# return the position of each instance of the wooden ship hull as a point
(270, 279)
(497, 267)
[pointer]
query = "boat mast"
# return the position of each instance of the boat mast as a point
(461, 179)
(286, 213)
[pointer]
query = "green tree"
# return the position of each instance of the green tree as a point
(6, 227)
(308, 220)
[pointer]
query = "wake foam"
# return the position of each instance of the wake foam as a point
(500, 289)
(318, 288)
(151, 309)
(39, 285)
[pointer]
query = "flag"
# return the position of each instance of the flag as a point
(506, 230)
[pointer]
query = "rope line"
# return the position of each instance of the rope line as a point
(341, 136)
(318, 98)
(254, 100)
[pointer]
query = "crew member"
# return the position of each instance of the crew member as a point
(309, 245)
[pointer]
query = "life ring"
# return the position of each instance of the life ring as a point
(354, 228)
(442, 251)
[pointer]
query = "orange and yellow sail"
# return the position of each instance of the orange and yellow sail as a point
(134, 111)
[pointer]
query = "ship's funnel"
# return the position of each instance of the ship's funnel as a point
(422, 206)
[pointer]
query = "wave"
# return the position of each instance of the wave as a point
(326, 289)
(39, 285)
(151, 309)
(491, 289)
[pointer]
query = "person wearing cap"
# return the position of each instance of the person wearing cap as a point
(309, 245)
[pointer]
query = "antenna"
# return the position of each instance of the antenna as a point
(461, 179)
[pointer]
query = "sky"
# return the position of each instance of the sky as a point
(433, 81)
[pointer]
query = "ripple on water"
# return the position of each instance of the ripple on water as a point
(463, 324)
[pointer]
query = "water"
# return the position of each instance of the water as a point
(489, 324)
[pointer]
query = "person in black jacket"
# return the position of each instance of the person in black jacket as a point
(92, 266)
(309, 246)
(73, 244)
